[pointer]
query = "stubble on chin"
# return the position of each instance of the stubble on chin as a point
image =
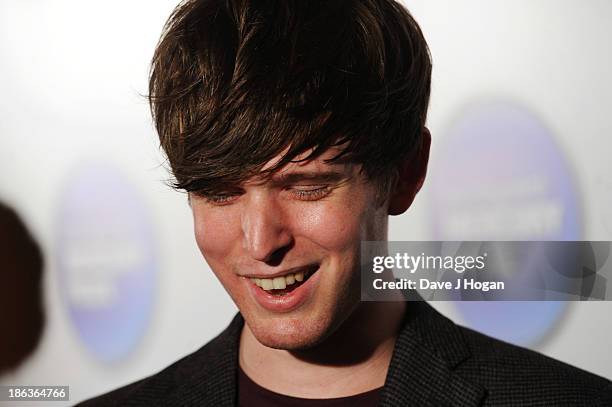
(302, 334)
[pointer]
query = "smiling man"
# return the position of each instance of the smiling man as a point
(298, 128)
(287, 249)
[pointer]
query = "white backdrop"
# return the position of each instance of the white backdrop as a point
(71, 79)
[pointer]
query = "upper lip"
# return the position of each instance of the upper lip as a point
(306, 268)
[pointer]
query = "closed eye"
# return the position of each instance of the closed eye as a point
(220, 199)
(310, 192)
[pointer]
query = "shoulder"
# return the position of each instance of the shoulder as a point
(466, 367)
(185, 375)
(511, 372)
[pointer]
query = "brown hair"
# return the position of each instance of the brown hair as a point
(234, 83)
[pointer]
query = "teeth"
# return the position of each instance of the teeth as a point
(267, 284)
(278, 283)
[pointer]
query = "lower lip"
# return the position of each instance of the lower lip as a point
(283, 303)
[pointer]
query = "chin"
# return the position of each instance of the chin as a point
(289, 334)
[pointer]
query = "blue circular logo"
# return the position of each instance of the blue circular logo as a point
(106, 260)
(498, 175)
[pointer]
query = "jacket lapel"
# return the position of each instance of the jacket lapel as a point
(427, 351)
(212, 373)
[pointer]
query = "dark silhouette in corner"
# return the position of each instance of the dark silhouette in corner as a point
(21, 302)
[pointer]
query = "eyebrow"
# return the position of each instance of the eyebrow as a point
(314, 176)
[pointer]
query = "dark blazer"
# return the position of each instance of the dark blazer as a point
(435, 363)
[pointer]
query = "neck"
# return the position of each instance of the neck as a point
(340, 366)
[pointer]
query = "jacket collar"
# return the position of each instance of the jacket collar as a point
(422, 371)
(211, 375)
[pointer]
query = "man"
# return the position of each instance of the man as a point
(298, 127)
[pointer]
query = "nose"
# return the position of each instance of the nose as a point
(267, 236)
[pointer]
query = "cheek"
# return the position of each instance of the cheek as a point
(337, 226)
(331, 228)
(213, 234)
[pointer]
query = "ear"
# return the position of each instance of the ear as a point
(410, 177)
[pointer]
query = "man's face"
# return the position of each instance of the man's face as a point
(307, 219)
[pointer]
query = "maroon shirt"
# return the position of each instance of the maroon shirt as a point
(250, 394)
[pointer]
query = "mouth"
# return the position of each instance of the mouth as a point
(283, 285)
